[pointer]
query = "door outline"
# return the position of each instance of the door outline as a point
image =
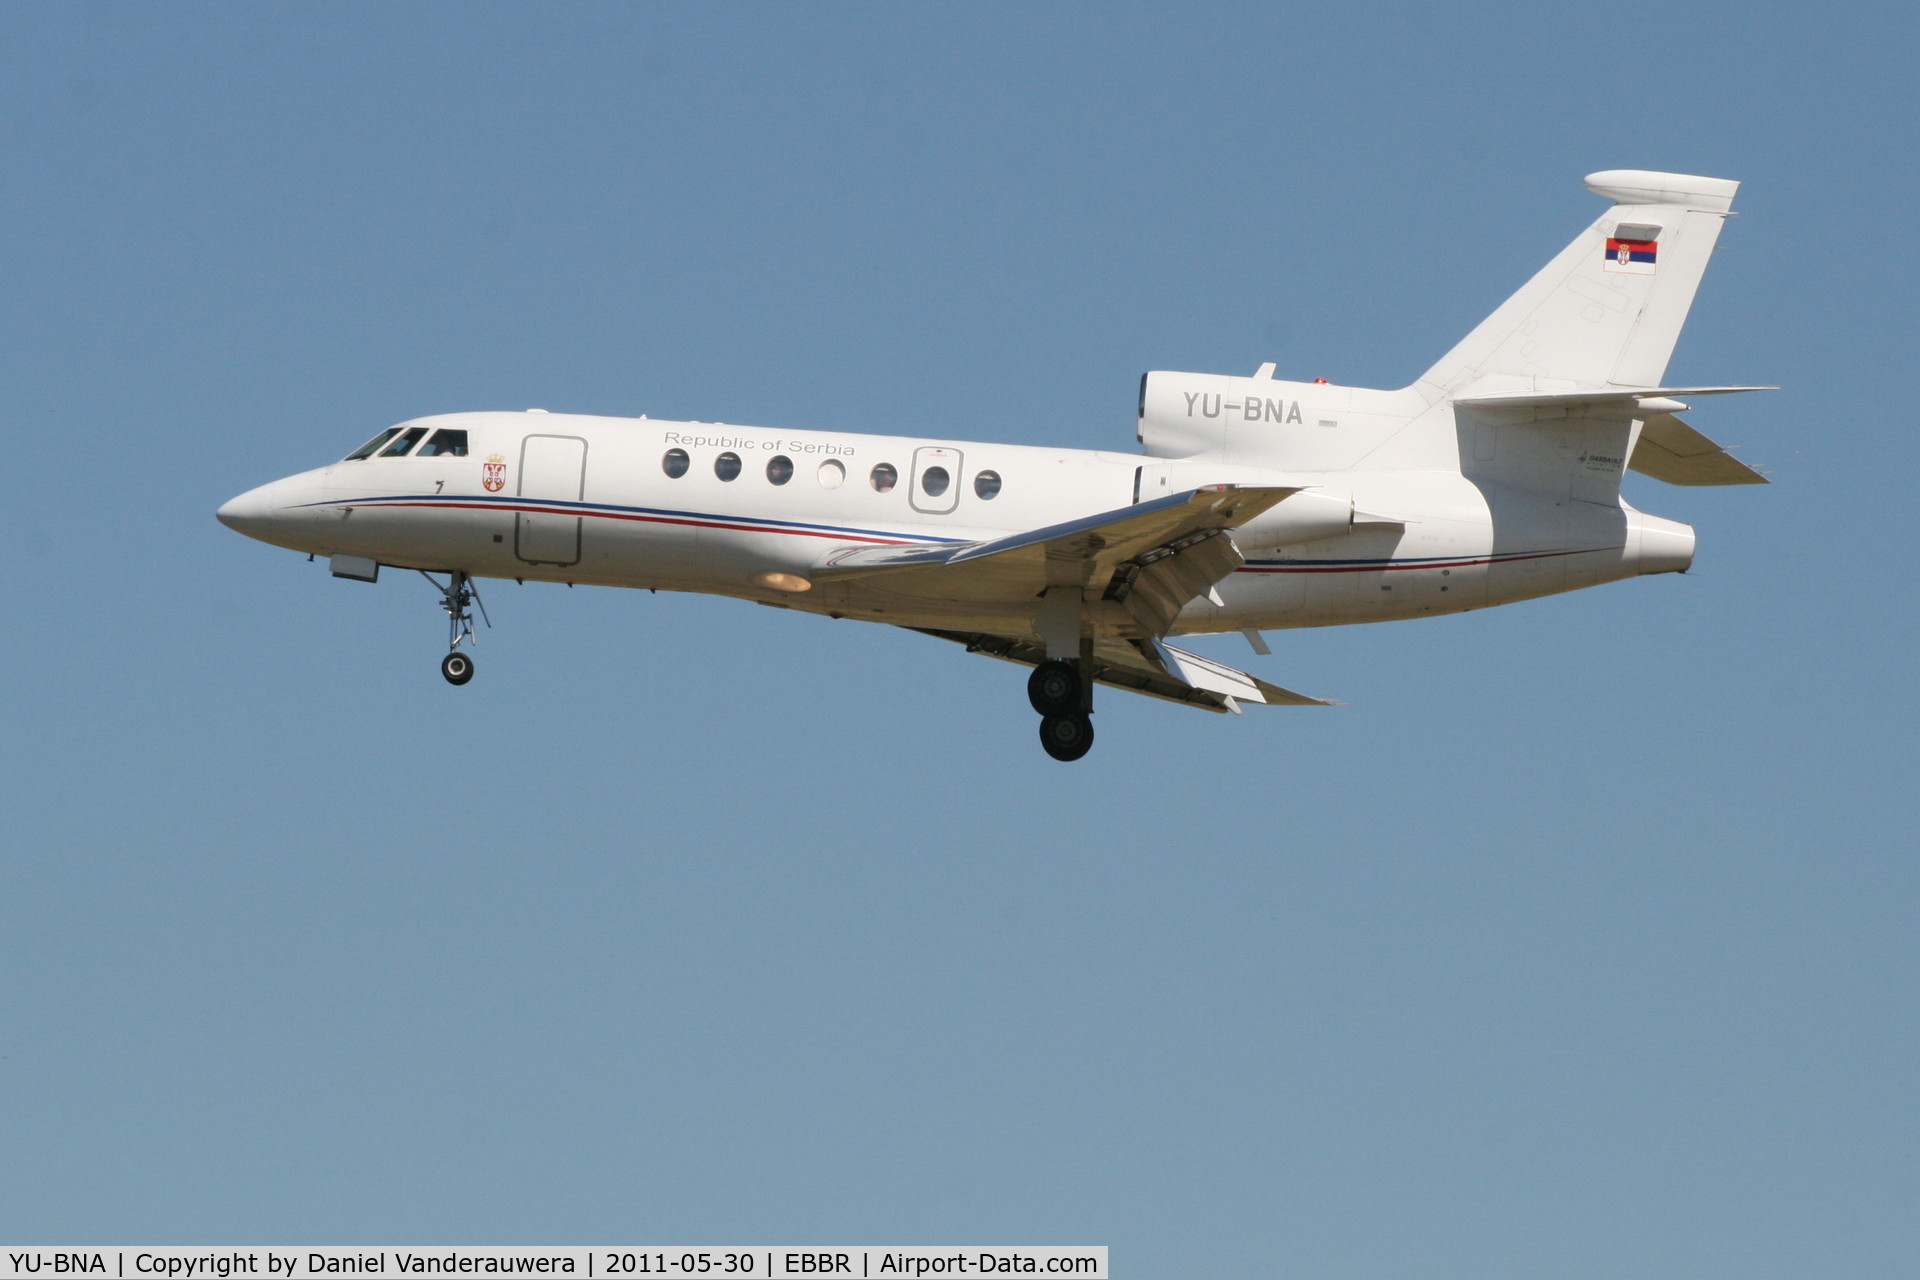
(935, 456)
(546, 531)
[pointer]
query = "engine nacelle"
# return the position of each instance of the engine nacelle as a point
(1185, 415)
(1268, 422)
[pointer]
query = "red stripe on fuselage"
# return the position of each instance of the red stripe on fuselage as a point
(1380, 567)
(1392, 565)
(644, 519)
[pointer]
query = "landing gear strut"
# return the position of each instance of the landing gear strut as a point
(1060, 691)
(458, 597)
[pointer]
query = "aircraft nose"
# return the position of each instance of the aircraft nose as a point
(250, 513)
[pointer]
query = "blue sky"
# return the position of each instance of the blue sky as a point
(1579, 943)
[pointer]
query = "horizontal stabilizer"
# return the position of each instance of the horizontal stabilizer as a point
(1623, 398)
(1150, 667)
(1671, 451)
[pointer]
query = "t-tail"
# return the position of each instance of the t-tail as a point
(1560, 388)
(1606, 312)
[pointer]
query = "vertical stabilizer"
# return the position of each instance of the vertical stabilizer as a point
(1608, 309)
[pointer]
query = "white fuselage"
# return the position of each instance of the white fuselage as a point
(589, 500)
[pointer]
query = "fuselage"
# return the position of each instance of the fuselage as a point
(754, 512)
(1256, 503)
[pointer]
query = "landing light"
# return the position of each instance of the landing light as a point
(782, 581)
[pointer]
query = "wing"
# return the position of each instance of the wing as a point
(1670, 450)
(1151, 667)
(1152, 557)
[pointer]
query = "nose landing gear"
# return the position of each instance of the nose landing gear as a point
(1060, 691)
(458, 597)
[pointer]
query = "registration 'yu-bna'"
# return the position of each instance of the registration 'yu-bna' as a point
(1258, 504)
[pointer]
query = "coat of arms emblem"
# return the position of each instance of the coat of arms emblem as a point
(495, 477)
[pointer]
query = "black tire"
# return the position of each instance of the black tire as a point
(1066, 737)
(1054, 687)
(457, 668)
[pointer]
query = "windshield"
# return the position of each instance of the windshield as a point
(446, 442)
(404, 443)
(366, 450)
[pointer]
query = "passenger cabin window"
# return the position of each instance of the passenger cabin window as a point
(366, 450)
(404, 443)
(986, 485)
(675, 463)
(884, 478)
(832, 474)
(446, 443)
(935, 480)
(727, 466)
(779, 469)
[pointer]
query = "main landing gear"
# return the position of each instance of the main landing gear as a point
(458, 597)
(1061, 693)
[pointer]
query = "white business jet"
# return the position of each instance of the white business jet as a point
(1258, 504)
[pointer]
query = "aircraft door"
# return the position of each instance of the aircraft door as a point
(936, 480)
(553, 469)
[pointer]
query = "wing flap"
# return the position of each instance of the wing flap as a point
(1155, 587)
(1671, 451)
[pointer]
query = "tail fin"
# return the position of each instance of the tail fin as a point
(1608, 310)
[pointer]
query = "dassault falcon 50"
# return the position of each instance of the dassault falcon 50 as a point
(1257, 503)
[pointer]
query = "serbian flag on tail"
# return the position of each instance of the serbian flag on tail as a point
(1635, 257)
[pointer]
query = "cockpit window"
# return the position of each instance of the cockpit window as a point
(446, 443)
(410, 438)
(366, 450)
